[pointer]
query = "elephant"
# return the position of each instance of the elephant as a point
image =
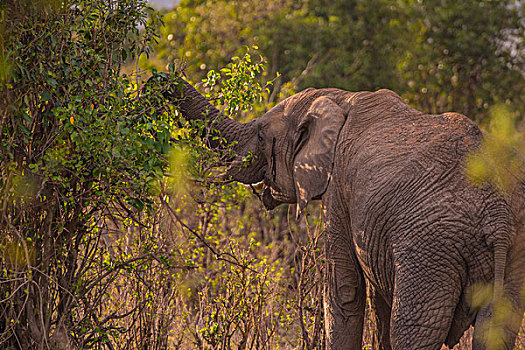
(401, 215)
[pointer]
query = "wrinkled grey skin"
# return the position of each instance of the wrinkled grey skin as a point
(399, 210)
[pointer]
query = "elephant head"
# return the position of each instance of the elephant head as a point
(291, 146)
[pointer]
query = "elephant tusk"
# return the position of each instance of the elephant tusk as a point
(259, 186)
(254, 191)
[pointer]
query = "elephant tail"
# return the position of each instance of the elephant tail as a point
(500, 260)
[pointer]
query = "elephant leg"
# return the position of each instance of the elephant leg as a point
(380, 315)
(463, 319)
(344, 294)
(426, 293)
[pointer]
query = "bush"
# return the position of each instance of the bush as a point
(103, 244)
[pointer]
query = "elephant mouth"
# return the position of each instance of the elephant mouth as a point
(267, 197)
(269, 201)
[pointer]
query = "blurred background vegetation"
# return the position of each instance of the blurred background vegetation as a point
(117, 228)
(464, 56)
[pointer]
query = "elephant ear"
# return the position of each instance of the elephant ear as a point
(315, 143)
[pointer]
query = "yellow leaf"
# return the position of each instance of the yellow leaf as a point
(72, 120)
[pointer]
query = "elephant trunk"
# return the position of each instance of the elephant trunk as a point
(217, 127)
(194, 106)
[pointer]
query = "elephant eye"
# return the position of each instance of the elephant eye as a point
(260, 138)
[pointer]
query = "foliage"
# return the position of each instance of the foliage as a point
(111, 237)
(79, 152)
(241, 90)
